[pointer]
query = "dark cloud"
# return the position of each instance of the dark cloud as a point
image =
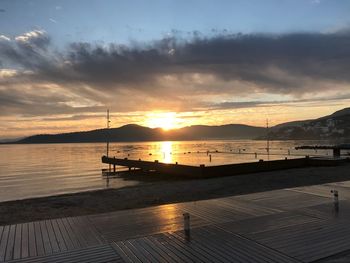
(253, 104)
(241, 57)
(173, 69)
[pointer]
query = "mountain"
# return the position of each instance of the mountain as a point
(334, 126)
(134, 132)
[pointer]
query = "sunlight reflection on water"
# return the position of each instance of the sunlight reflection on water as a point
(49, 169)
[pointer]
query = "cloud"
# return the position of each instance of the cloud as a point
(53, 20)
(4, 38)
(167, 73)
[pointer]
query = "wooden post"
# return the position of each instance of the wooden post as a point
(187, 226)
(335, 200)
(336, 152)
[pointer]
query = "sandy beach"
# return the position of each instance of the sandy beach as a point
(155, 190)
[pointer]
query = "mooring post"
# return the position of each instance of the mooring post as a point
(256, 155)
(209, 157)
(113, 168)
(335, 200)
(187, 226)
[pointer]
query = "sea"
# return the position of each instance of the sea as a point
(36, 170)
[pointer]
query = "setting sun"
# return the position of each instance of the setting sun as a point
(164, 120)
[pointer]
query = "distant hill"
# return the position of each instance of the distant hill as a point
(134, 132)
(334, 126)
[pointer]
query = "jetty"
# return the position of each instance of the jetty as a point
(202, 171)
(336, 148)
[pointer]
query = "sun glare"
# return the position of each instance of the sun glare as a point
(166, 121)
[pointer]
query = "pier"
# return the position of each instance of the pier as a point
(202, 171)
(336, 148)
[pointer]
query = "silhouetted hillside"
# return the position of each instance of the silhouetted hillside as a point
(334, 126)
(134, 132)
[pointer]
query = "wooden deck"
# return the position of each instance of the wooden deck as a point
(289, 225)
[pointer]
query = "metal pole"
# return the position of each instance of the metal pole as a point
(187, 226)
(108, 121)
(335, 200)
(267, 139)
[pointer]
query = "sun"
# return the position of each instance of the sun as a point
(164, 120)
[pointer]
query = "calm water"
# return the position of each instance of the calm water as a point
(50, 169)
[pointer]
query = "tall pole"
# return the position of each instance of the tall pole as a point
(108, 121)
(267, 139)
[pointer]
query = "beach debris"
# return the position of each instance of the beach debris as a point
(187, 228)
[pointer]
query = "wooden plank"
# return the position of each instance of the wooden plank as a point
(148, 253)
(98, 254)
(158, 248)
(18, 242)
(205, 250)
(60, 241)
(52, 237)
(32, 240)
(125, 252)
(3, 242)
(39, 244)
(134, 253)
(203, 256)
(223, 249)
(70, 233)
(260, 224)
(171, 251)
(65, 235)
(144, 222)
(178, 249)
(25, 241)
(10, 243)
(45, 236)
(308, 242)
(164, 256)
(77, 233)
(90, 232)
(285, 200)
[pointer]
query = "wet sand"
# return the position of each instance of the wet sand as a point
(155, 190)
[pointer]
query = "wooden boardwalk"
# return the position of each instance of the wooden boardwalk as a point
(289, 225)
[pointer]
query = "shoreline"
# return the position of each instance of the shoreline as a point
(155, 191)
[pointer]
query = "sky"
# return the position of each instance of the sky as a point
(170, 63)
